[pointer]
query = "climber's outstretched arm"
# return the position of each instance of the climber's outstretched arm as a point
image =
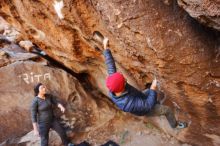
(109, 60)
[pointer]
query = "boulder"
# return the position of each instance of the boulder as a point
(206, 12)
(16, 86)
(148, 39)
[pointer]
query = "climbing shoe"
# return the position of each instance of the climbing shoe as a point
(70, 144)
(181, 125)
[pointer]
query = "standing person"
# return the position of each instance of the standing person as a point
(130, 99)
(42, 116)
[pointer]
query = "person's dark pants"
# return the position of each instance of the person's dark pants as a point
(159, 110)
(44, 129)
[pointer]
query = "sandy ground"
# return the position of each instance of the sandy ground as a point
(125, 131)
(139, 133)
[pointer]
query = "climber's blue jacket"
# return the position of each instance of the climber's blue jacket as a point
(132, 100)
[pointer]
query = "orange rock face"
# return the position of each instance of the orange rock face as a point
(147, 38)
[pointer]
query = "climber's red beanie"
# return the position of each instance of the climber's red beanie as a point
(115, 82)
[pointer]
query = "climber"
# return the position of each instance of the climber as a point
(43, 118)
(128, 98)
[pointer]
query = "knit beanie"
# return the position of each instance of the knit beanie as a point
(115, 82)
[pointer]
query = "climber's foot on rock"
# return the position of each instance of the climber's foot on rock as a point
(71, 144)
(181, 125)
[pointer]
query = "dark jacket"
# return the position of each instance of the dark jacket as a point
(132, 100)
(42, 110)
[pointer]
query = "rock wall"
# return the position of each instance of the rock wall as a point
(147, 38)
(206, 11)
(89, 115)
(18, 79)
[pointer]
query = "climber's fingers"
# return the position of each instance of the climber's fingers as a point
(154, 84)
(105, 42)
(27, 45)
